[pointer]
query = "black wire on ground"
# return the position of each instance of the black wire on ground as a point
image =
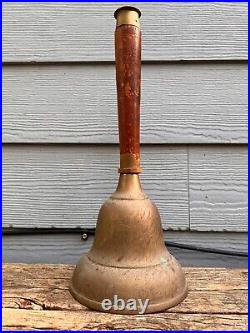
(205, 249)
(85, 233)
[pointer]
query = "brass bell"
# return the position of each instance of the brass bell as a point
(128, 259)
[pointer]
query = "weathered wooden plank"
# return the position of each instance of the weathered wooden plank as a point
(67, 248)
(184, 103)
(218, 188)
(64, 186)
(14, 319)
(83, 32)
(199, 279)
(216, 297)
(47, 293)
(31, 297)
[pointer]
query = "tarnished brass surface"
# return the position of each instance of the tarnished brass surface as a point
(130, 163)
(128, 257)
(127, 15)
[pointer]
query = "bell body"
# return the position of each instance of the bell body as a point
(128, 257)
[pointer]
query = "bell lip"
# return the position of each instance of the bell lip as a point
(152, 308)
(158, 302)
(126, 8)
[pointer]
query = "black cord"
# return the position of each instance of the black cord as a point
(205, 249)
(87, 232)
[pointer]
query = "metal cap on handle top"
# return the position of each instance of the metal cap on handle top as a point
(127, 15)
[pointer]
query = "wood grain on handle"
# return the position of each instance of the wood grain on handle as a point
(128, 81)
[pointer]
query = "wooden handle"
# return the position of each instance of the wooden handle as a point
(128, 82)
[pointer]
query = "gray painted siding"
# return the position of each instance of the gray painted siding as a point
(64, 185)
(218, 188)
(181, 103)
(84, 31)
(60, 120)
(67, 248)
(61, 185)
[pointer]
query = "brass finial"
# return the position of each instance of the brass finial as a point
(127, 15)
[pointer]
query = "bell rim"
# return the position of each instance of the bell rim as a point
(171, 295)
(152, 308)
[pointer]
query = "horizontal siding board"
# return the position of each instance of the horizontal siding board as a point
(229, 241)
(184, 103)
(84, 31)
(67, 248)
(218, 188)
(64, 186)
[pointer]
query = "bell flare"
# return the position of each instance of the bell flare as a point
(163, 285)
(129, 257)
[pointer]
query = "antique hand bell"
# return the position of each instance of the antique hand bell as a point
(128, 258)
